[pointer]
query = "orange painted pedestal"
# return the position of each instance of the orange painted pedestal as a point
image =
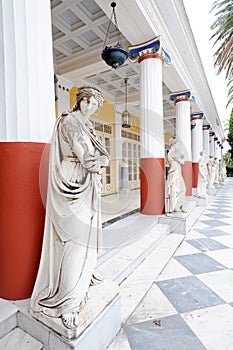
(21, 216)
(195, 174)
(152, 186)
(187, 172)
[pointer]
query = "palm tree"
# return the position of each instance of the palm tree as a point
(223, 40)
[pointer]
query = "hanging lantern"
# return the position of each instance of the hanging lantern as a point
(125, 116)
(114, 56)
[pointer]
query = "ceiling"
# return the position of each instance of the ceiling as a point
(79, 30)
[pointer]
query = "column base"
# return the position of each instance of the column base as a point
(195, 167)
(152, 186)
(23, 183)
(187, 172)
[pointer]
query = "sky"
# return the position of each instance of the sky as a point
(200, 20)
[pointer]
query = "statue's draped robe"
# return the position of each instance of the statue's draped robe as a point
(202, 178)
(175, 185)
(72, 232)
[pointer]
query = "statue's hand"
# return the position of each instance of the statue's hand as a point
(92, 163)
(104, 161)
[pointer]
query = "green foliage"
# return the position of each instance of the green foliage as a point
(222, 28)
(230, 133)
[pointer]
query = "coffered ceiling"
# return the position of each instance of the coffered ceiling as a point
(79, 30)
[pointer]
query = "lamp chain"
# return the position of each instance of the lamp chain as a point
(113, 5)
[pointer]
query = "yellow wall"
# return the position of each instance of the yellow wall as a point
(73, 92)
(134, 123)
(168, 136)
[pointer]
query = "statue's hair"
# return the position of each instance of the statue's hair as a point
(172, 141)
(88, 91)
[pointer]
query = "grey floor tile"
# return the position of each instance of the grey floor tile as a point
(218, 216)
(221, 205)
(206, 244)
(172, 334)
(209, 232)
(189, 294)
(219, 210)
(215, 223)
(199, 263)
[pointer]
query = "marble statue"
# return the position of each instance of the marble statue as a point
(216, 167)
(222, 170)
(202, 176)
(175, 185)
(72, 232)
(211, 172)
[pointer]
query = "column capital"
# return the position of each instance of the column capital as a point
(182, 96)
(150, 49)
(198, 115)
(206, 126)
(212, 133)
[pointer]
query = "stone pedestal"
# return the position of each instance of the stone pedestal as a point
(99, 321)
(182, 222)
(201, 201)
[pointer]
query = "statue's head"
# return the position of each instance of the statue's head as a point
(173, 141)
(87, 92)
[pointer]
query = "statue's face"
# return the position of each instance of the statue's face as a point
(88, 106)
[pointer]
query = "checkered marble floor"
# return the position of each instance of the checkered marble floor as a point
(190, 305)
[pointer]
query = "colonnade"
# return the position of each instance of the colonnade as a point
(27, 116)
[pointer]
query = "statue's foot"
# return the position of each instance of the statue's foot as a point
(96, 279)
(70, 319)
(184, 210)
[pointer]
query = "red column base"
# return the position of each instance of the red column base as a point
(195, 174)
(21, 216)
(187, 172)
(152, 186)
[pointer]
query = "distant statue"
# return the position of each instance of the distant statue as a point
(175, 185)
(216, 167)
(222, 170)
(72, 232)
(202, 176)
(211, 172)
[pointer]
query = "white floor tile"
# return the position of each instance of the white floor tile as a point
(153, 306)
(224, 257)
(194, 235)
(185, 249)
(173, 270)
(200, 225)
(213, 326)
(228, 229)
(221, 282)
(226, 240)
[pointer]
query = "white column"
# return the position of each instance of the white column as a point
(218, 150)
(216, 147)
(211, 143)
(151, 103)
(197, 142)
(27, 116)
(183, 133)
(27, 111)
(150, 55)
(206, 143)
